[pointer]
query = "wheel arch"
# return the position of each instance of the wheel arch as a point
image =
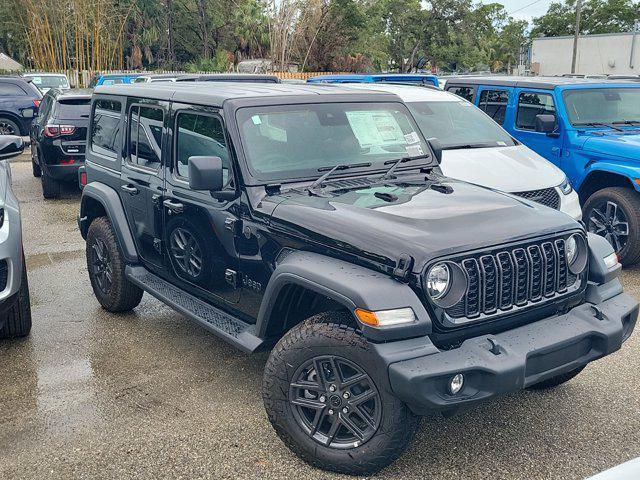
(311, 279)
(101, 200)
(597, 179)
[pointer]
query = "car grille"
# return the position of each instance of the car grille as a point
(514, 277)
(4, 273)
(546, 196)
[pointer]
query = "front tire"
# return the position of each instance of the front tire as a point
(106, 267)
(18, 321)
(614, 213)
(344, 419)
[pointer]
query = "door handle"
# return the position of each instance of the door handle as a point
(175, 207)
(130, 189)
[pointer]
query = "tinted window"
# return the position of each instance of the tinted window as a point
(105, 131)
(145, 136)
(11, 90)
(494, 103)
(603, 105)
(112, 81)
(73, 108)
(50, 81)
(464, 92)
(531, 104)
(200, 135)
(45, 106)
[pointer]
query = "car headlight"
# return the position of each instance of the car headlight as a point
(565, 186)
(576, 253)
(437, 281)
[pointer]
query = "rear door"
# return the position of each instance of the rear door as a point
(142, 182)
(468, 92)
(493, 101)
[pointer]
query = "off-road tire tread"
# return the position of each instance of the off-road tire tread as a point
(384, 448)
(18, 320)
(557, 380)
(124, 295)
(630, 200)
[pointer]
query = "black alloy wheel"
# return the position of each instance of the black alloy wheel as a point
(101, 265)
(186, 252)
(608, 220)
(335, 402)
(8, 127)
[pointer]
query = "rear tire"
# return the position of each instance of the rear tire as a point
(106, 267)
(627, 204)
(50, 188)
(9, 127)
(328, 342)
(557, 380)
(37, 171)
(18, 321)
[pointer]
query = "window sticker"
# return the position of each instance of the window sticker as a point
(375, 128)
(256, 120)
(412, 138)
(414, 150)
(36, 80)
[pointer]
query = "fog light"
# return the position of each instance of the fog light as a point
(456, 383)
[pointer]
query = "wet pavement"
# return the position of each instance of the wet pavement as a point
(149, 395)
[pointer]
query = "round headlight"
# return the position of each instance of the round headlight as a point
(438, 280)
(571, 249)
(576, 252)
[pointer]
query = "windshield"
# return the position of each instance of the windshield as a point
(50, 81)
(603, 105)
(298, 141)
(458, 124)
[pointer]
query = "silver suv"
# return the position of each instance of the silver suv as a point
(15, 310)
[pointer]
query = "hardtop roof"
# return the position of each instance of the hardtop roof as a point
(545, 83)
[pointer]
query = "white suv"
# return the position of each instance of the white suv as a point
(477, 150)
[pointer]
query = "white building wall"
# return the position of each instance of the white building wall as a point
(597, 54)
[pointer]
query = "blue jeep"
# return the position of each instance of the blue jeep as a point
(589, 128)
(407, 78)
(113, 79)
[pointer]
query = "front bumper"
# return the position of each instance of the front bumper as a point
(498, 364)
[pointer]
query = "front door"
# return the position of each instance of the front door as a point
(142, 177)
(198, 229)
(530, 103)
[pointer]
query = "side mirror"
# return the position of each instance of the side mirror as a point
(10, 146)
(205, 173)
(436, 146)
(545, 123)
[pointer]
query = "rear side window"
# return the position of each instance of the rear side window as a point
(531, 104)
(106, 127)
(73, 108)
(200, 135)
(145, 136)
(464, 92)
(11, 90)
(494, 103)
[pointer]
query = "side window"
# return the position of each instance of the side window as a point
(11, 90)
(45, 107)
(200, 135)
(145, 136)
(106, 126)
(464, 92)
(531, 104)
(494, 103)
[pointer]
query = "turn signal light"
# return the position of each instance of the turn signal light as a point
(53, 131)
(385, 318)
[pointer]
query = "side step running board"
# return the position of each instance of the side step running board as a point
(228, 327)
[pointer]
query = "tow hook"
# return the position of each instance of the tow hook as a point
(599, 314)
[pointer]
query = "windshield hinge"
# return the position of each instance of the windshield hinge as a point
(403, 267)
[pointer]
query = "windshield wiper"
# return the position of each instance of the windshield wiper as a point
(468, 145)
(340, 166)
(598, 124)
(627, 122)
(397, 162)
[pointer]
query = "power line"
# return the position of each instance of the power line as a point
(526, 6)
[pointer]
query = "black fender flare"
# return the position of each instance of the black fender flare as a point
(110, 201)
(351, 285)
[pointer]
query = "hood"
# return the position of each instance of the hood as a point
(521, 169)
(617, 144)
(419, 220)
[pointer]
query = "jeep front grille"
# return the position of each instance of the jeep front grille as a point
(513, 277)
(546, 196)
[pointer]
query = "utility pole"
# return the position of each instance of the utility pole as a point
(575, 37)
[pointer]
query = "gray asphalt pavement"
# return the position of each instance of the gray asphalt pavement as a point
(149, 395)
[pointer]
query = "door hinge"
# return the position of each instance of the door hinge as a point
(403, 267)
(231, 276)
(157, 245)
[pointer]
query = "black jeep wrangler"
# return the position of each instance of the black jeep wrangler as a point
(315, 221)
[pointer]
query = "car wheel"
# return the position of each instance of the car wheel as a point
(35, 167)
(9, 127)
(329, 403)
(614, 213)
(51, 188)
(106, 266)
(18, 320)
(557, 380)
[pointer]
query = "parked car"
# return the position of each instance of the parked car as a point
(478, 151)
(408, 78)
(19, 102)
(228, 77)
(15, 307)
(156, 78)
(58, 138)
(113, 79)
(46, 81)
(315, 222)
(588, 128)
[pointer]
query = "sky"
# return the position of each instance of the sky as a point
(524, 9)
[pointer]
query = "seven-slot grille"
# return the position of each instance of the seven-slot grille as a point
(546, 196)
(513, 277)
